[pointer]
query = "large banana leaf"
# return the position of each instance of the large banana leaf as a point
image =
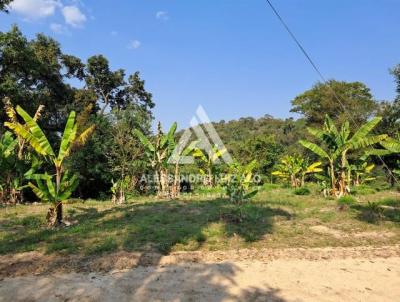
(189, 149)
(314, 148)
(40, 138)
(314, 168)
(68, 186)
(391, 145)
(169, 137)
(366, 141)
(316, 132)
(366, 129)
(40, 193)
(36, 144)
(330, 126)
(68, 138)
(197, 153)
(144, 140)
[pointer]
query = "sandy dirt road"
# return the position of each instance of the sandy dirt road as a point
(348, 279)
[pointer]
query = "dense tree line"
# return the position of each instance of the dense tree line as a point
(36, 75)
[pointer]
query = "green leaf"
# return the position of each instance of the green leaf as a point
(314, 148)
(143, 139)
(41, 194)
(391, 145)
(68, 138)
(367, 141)
(250, 195)
(366, 129)
(37, 133)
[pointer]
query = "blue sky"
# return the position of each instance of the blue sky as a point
(232, 57)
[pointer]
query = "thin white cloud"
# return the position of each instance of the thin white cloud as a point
(135, 44)
(114, 33)
(35, 9)
(59, 28)
(162, 15)
(73, 16)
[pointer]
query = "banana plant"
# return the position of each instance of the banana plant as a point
(295, 169)
(338, 144)
(360, 172)
(175, 159)
(391, 147)
(158, 154)
(208, 160)
(47, 189)
(239, 181)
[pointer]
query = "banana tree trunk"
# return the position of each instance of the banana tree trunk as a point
(59, 206)
(164, 183)
(210, 178)
(333, 178)
(176, 186)
(293, 181)
(343, 190)
(158, 180)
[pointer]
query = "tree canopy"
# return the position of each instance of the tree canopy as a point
(340, 100)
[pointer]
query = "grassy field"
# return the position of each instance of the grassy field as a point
(276, 218)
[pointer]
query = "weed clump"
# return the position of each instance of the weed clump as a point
(302, 191)
(345, 202)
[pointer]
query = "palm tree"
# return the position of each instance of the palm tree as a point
(339, 143)
(64, 185)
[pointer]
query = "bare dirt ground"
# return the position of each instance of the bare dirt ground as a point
(329, 274)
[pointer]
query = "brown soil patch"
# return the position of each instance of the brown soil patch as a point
(34, 263)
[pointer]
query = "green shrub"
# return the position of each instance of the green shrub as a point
(201, 237)
(363, 190)
(345, 202)
(302, 191)
(347, 199)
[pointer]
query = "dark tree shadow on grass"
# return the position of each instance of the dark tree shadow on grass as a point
(145, 228)
(182, 282)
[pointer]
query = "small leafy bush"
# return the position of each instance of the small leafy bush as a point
(345, 202)
(239, 185)
(302, 191)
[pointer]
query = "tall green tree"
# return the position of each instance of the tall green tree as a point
(322, 99)
(36, 72)
(126, 153)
